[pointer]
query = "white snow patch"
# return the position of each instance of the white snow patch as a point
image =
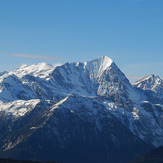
(33, 128)
(71, 111)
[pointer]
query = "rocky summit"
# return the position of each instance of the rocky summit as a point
(79, 112)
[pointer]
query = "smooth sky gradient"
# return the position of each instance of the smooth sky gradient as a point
(56, 31)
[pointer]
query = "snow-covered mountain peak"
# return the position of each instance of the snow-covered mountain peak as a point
(101, 63)
(98, 65)
(41, 70)
(151, 77)
(23, 66)
(99, 77)
(150, 82)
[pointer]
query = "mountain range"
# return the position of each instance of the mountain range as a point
(79, 112)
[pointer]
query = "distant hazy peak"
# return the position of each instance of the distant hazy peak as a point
(150, 82)
(23, 66)
(149, 79)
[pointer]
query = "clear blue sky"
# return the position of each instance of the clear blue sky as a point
(56, 31)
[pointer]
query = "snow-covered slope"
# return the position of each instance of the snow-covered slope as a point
(152, 88)
(19, 107)
(26, 83)
(12, 88)
(151, 82)
(96, 92)
(41, 70)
